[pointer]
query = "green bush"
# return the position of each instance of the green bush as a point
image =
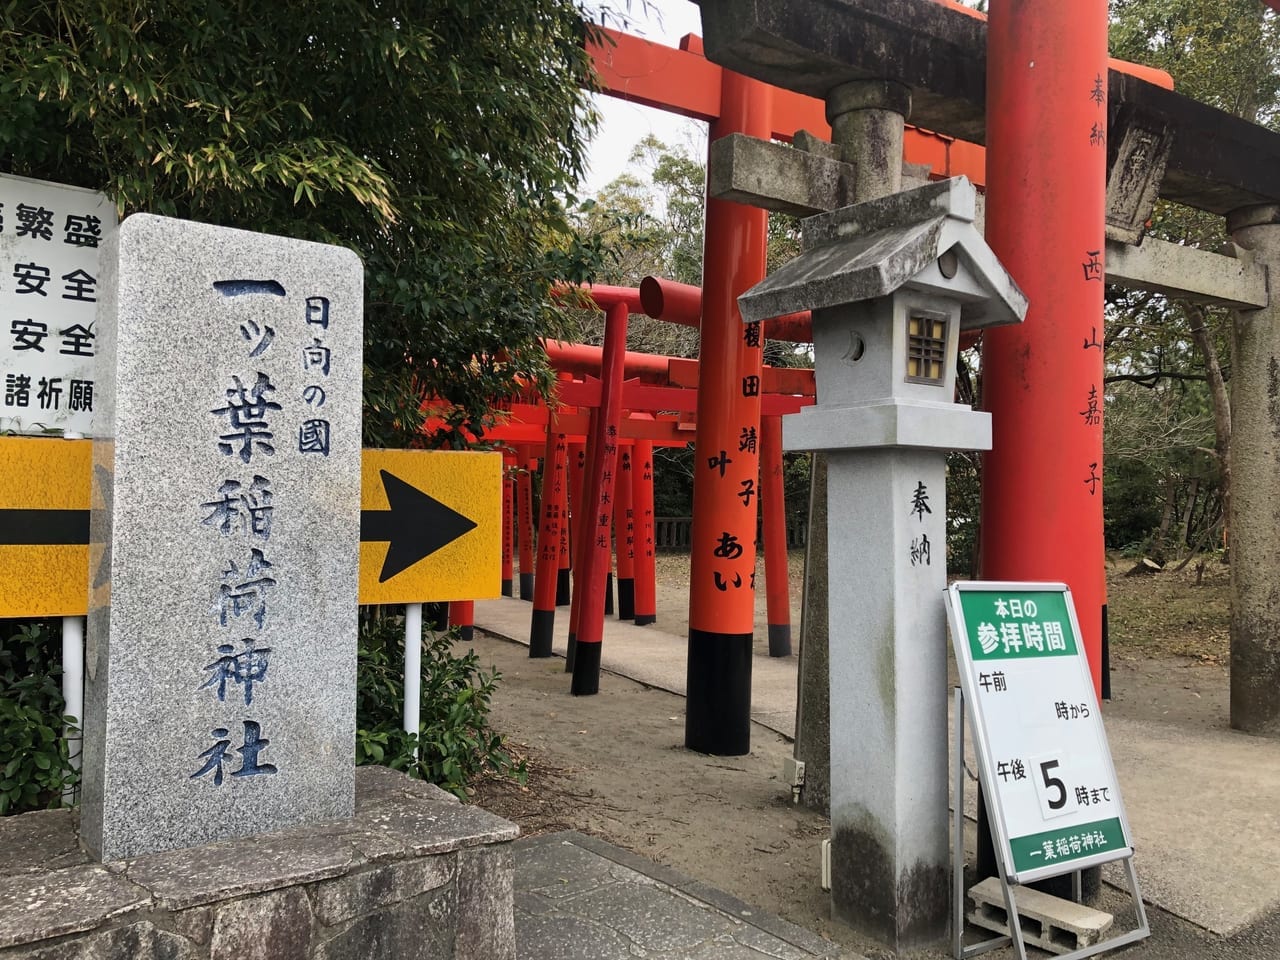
(35, 767)
(455, 740)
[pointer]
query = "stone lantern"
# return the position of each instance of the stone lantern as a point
(892, 284)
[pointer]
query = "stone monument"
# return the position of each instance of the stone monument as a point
(221, 648)
(891, 283)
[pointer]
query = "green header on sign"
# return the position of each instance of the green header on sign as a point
(1055, 847)
(1017, 624)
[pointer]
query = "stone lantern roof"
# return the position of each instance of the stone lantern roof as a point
(922, 239)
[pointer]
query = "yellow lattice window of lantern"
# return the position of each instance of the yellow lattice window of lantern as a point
(926, 349)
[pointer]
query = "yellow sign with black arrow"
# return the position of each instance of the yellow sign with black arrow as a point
(430, 526)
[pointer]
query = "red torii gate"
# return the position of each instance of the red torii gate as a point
(684, 82)
(723, 550)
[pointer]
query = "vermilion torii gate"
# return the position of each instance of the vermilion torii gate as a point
(720, 623)
(717, 719)
(684, 82)
(779, 391)
(728, 412)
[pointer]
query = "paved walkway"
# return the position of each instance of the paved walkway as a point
(579, 898)
(1204, 805)
(654, 657)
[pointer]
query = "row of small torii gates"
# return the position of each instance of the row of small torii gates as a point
(595, 446)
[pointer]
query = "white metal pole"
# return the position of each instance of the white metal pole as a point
(73, 690)
(412, 668)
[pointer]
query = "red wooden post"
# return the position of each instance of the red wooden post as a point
(1042, 379)
(601, 467)
(624, 523)
(582, 528)
(462, 614)
(722, 571)
(577, 471)
(775, 537)
(542, 627)
(562, 572)
(508, 528)
(562, 504)
(642, 503)
(524, 490)
(608, 577)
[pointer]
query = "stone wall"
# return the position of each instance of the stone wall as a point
(414, 875)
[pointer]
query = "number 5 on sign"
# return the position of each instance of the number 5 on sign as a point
(1049, 786)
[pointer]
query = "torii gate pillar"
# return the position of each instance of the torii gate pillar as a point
(1042, 380)
(726, 471)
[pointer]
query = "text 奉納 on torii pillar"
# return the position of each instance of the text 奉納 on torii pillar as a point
(891, 282)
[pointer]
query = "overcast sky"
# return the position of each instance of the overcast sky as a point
(625, 124)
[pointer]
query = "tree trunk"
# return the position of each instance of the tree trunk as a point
(1166, 517)
(1218, 393)
(1184, 535)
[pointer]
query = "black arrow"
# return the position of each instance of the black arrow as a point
(27, 528)
(416, 526)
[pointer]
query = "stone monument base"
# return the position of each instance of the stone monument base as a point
(414, 874)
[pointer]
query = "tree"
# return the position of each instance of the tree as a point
(440, 140)
(1163, 487)
(673, 204)
(1166, 449)
(649, 219)
(1225, 53)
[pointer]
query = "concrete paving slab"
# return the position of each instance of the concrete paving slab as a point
(1203, 805)
(579, 898)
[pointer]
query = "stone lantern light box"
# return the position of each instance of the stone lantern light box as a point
(892, 283)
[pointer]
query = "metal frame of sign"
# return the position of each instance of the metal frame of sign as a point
(995, 814)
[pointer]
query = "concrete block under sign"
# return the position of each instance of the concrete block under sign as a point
(1048, 922)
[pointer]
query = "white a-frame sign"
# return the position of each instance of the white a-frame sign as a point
(1043, 761)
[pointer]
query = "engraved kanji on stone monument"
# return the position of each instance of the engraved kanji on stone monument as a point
(222, 632)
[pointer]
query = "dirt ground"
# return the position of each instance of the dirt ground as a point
(614, 765)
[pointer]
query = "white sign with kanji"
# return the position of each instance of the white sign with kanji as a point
(1045, 762)
(50, 239)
